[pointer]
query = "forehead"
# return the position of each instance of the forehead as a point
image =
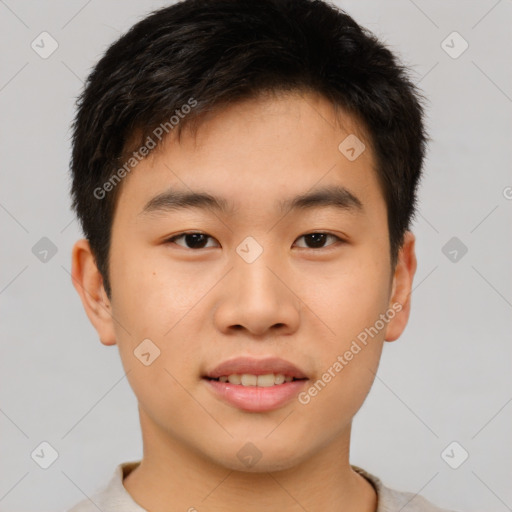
(274, 152)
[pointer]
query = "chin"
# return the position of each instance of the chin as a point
(251, 459)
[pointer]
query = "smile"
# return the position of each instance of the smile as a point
(248, 379)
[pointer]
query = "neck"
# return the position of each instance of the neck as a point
(172, 473)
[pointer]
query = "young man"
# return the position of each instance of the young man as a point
(245, 174)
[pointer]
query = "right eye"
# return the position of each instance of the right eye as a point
(196, 240)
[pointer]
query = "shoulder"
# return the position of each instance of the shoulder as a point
(112, 497)
(392, 500)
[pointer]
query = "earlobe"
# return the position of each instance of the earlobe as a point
(88, 282)
(400, 301)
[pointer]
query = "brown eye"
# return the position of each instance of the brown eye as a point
(317, 240)
(192, 240)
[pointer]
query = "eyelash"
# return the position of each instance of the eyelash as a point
(181, 235)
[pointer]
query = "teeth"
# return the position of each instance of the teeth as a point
(265, 380)
(235, 379)
(280, 378)
(247, 379)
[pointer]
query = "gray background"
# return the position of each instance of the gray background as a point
(446, 379)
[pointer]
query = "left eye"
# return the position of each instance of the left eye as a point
(199, 240)
(318, 239)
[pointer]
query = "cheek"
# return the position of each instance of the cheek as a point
(149, 292)
(349, 299)
(349, 306)
(348, 360)
(150, 307)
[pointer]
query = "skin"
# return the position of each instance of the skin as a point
(203, 306)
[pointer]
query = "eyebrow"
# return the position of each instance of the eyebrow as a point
(322, 197)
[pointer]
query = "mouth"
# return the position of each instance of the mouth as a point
(255, 385)
(263, 381)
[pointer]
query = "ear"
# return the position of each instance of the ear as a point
(400, 301)
(88, 282)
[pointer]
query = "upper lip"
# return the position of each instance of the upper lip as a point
(241, 365)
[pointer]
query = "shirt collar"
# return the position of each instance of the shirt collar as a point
(119, 497)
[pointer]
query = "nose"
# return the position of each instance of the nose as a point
(258, 298)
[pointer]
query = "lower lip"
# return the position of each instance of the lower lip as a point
(256, 398)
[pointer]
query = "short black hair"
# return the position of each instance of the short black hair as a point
(197, 56)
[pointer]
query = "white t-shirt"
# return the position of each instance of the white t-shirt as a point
(115, 498)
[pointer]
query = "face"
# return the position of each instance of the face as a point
(255, 275)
